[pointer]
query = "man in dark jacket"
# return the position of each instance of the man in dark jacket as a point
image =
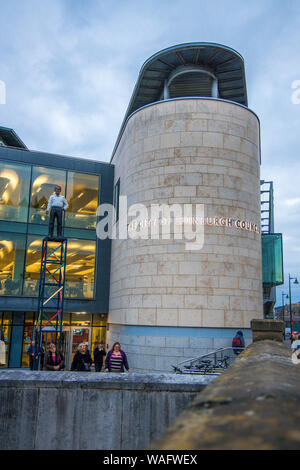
(99, 353)
(82, 360)
(33, 352)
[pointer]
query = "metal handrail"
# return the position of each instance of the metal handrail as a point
(195, 359)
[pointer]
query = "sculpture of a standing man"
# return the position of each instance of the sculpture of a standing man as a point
(57, 204)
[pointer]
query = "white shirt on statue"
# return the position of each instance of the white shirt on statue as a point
(57, 201)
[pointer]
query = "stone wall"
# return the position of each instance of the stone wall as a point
(254, 405)
(72, 411)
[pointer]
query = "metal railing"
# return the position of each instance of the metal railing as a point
(215, 366)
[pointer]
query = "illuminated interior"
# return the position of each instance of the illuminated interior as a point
(82, 196)
(43, 182)
(80, 271)
(78, 327)
(14, 191)
(11, 263)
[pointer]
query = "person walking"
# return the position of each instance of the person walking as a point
(33, 352)
(296, 350)
(238, 342)
(116, 360)
(99, 354)
(2, 350)
(53, 360)
(82, 360)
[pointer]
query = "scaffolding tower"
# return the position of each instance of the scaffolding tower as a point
(51, 292)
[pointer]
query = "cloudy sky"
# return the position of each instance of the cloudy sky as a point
(70, 67)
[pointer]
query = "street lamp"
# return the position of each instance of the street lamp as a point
(283, 295)
(295, 282)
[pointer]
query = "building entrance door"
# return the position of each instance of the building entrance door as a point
(73, 337)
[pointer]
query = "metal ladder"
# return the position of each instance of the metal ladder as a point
(51, 292)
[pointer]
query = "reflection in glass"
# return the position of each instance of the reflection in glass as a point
(43, 182)
(27, 336)
(98, 335)
(6, 337)
(81, 319)
(33, 266)
(82, 196)
(14, 191)
(12, 251)
(80, 269)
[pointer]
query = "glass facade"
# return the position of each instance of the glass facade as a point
(77, 328)
(24, 193)
(5, 336)
(43, 182)
(14, 191)
(272, 260)
(12, 253)
(25, 189)
(80, 269)
(82, 196)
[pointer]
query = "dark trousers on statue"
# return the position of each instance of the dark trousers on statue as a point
(56, 213)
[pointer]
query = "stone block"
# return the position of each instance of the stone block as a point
(196, 125)
(167, 317)
(201, 343)
(171, 139)
(213, 139)
(190, 317)
(156, 341)
(267, 329)
(211, 318)
(185, 191)
(191, 139)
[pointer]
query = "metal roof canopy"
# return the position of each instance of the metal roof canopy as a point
(226, 64)
(11, 139)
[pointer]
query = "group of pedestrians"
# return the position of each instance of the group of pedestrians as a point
(115, 360)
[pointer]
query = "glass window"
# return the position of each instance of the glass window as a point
(43, 182)
(5, 339)
(12, 252)
(98, 335)
(80, 269)
(82, 197)
(33, 266)
(14, 191)
(272, 262)
(81, 319)
(99, 319)
(117, 200)
(27, 336)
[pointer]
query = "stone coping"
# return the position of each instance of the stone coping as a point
(18, 378)
(254, 405)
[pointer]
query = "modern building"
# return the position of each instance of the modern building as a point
(26, 181)
(188, 139)
(272, 262)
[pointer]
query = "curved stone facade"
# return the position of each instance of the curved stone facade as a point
(201, 151)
